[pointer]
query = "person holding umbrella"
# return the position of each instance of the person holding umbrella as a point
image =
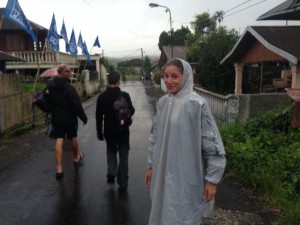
(66, 107)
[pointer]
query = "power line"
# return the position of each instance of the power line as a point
(131, 39)
(181, 22)
(156, 45)
(129, 31)
(124, 57)
(135, 51)
(124, 51)
(237, 6)
(189, 23)
(87, 3)
(245, 8)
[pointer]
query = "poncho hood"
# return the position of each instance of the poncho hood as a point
(186, 85)
(185, 150)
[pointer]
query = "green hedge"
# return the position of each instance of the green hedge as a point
(264, 155)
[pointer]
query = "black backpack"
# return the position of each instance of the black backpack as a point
(123, 112)
(41, 100)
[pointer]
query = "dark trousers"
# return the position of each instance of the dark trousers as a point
(115, 169)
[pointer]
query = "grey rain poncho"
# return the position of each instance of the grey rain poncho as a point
(185, 150)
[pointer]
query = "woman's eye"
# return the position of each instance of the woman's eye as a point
(172, 76)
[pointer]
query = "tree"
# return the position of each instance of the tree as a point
(219, 16)
(216, 77)
(147, 67)
(207, 46)
(192, 43)
(204, 24)
(125, 70)
(179, 37)
(164, 39)
(108, 66)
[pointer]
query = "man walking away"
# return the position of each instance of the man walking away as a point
(116, 136)
(66, 106)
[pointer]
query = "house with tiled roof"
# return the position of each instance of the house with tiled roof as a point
(135, 64)
(36, 55)
(4, 58)
(288, 10)
(267, 44)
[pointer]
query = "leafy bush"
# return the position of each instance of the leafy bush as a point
(28, 87)
(273, 120)
(264, 155)
(79, 76)
(157, 77)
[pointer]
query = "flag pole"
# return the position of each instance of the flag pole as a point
(1, 21)
(38, 70)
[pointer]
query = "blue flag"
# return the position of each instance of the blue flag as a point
(80, 42)
(97, 43)
(64, 35)
(86, 53)
(72, 44)
(53, 35)
(15, 14)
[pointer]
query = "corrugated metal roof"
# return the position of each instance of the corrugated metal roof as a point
(8, 25)
(7, 57)
(288, 10)
(282, 40)
(179, 51)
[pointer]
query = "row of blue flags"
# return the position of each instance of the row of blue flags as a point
(80, 42)
(53, 35)
(14, 13)
(63, 33)
(71, 46)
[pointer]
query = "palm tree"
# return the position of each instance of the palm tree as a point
(219, 16)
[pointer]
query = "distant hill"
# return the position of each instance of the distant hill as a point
(114, 61)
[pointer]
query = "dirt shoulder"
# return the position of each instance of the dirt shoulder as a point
(13, 147)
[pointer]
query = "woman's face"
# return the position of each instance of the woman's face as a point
(172, 78)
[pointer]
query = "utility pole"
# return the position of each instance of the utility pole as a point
(102, 64)
(171, 31)
(152, 5)
(142, 69)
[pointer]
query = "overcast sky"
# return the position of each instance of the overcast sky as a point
(125, 27)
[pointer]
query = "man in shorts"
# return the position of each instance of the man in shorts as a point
(66, 107)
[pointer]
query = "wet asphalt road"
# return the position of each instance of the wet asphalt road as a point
(31, 195)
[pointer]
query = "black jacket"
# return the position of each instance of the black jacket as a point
(65, 103)
(105, 112)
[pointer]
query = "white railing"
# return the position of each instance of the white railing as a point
(224, 108)
(34, 57)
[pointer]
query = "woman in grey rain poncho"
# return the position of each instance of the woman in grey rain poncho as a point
(186, 157)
